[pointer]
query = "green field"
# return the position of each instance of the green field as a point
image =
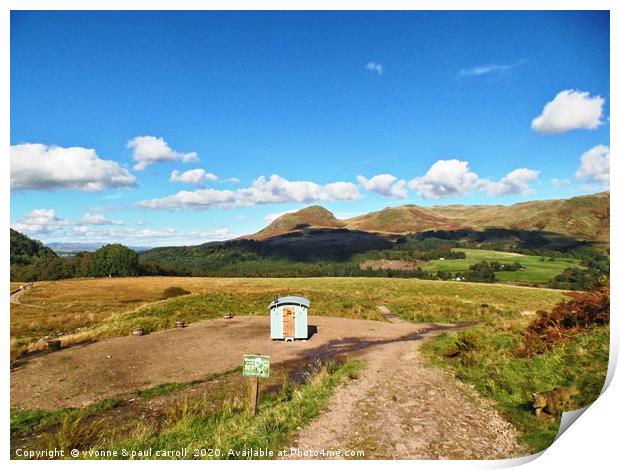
(536, 271)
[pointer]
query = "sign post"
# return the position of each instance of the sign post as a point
(255, 366)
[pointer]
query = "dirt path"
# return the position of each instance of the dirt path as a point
(400, 408)
(15, 298)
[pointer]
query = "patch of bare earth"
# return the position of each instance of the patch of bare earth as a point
(117, 367)
(396, 264)
(402, 408)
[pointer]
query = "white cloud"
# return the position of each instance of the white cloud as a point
(146, 237)
(447, 178)
(516, 182)
(374, 67)
(570, 109)
(44, 223)
(39, 166)
(232, 180)
(98, 219)
(489, 68)
(594, 165)
(557, 182)
(197, 177)
(275, 190)
(274, 215)
(384, 184)
(39, 221)
(148, 149)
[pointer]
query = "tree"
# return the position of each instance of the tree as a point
(115, 260)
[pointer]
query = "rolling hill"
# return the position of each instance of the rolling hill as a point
(582, 218)
(313, 216)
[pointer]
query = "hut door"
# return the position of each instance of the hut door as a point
(288, 320)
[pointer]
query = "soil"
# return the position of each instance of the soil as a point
(401, 408)
(398, 265)
(83, 374)
(398, 408)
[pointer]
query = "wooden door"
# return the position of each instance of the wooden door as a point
(288, 320)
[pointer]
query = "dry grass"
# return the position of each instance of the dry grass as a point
(89, 309)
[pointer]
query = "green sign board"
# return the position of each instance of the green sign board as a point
(255, 366)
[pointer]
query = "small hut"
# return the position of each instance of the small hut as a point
(289, 317)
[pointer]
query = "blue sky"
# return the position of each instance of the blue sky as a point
(427, 107)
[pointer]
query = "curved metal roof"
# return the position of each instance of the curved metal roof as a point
(290, 299)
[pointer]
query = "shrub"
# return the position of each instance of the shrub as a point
(584, 310)
(174, 292)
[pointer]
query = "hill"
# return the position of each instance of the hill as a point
(313, 216)
(25, 250)
(582, 218)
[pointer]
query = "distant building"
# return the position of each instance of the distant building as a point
(289, 317)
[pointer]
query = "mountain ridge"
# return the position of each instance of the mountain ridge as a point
(581, 217)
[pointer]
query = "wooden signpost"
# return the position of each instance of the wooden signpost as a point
(255, 366)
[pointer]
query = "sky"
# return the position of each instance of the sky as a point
(167, 128)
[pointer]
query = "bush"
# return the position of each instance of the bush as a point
(584, 310)
(174, 292)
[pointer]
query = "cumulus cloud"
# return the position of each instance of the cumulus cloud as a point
(374, 67)
(570, 109)
(39, 221)
(39, 166)
(384, 184)
(148, 149)
(143, 236)
(196, 177)
(98, 219)
(447, 178)
(594, 165)
(516, 182)
(44, 223)
(275, 190)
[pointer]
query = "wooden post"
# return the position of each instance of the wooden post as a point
(254, 396)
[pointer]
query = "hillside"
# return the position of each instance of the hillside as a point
(582, 217)
(579, 218)
(25, 250)
(313, 216)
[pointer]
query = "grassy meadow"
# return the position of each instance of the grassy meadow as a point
(536, 270)
(91, 309)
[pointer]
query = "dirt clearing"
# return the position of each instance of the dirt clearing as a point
(81, 375)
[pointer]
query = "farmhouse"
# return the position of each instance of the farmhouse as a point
(289, 317)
